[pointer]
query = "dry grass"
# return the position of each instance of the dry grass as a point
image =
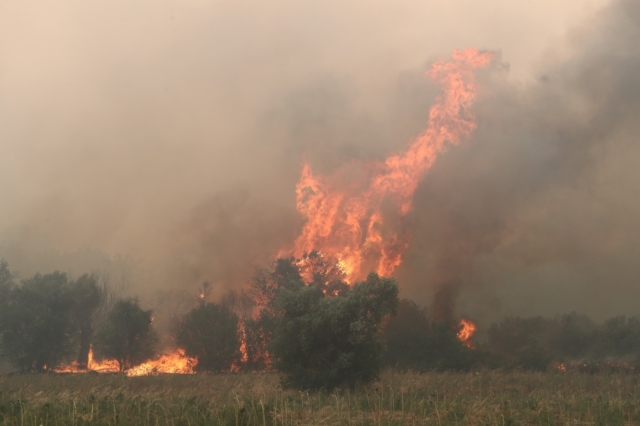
(503, 398)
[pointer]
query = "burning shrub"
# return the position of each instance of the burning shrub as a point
(210, 333)
(321, 342)
(36, 321)
(127, 335)
(413, 342)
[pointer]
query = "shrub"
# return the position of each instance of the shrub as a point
(127, 335)
(406, 336)
(36, 321)
(210, 333)
(323, 342)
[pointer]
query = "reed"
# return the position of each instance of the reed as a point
(488, 397)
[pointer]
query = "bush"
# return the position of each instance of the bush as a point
(87, 296)
(127, 335)
(618, 336)
(210, 333)
(36, 321)
(323, 342)
(406, 337)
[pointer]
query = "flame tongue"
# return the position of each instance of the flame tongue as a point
(346, 221)
(467, 330)
(174, 363)
(104, 366)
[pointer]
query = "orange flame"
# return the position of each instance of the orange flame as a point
(244, 355)
(104, 366)
(467, 330)
(176, 362)
(346, 220)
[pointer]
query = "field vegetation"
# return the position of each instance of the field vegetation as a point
(485, 397)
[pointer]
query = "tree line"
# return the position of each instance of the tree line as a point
(298, 317)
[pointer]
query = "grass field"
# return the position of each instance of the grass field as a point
(502, 398)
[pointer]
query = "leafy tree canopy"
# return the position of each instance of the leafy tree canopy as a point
(322, 341)
(210, 333)
(36, 321)
(127, 335)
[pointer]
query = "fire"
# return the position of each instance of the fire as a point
(104, 366)
(467, 330)
(346, 221)
(174, 363)
(244, 355)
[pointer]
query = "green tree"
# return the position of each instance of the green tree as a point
(6, 281)
(573, 337)
(523, 342)
(127, 335)
(618, 336)
(322, 341)
(265, 286)
(210, 333)
(406, 336)
(36, 321)
(6, 285)
(87, 297)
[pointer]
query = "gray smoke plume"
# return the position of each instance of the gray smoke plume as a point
(173, 133)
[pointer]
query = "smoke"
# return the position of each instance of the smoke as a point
(173, 134)
(535, 216)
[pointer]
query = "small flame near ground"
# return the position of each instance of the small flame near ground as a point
(175, 362)
(244, 355)
(104, 366)
(467, 330)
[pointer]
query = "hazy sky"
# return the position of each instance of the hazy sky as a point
(174, 131)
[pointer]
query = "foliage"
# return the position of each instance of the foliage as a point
(210, 333)
(479, 398)
(87, 296)
(573, 336)
(6, 281)
(415, 343)
(127, 335)
(406, 336)
(322, 342)
(36, 321)
(521, 341)
(618, 336)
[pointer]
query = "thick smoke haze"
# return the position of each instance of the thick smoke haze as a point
(162, 140)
